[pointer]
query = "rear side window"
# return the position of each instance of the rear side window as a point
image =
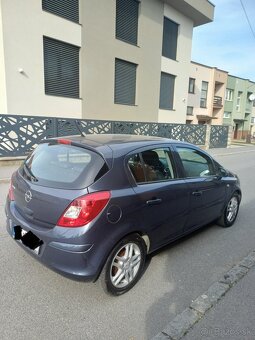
(151, 166)
(64, 166)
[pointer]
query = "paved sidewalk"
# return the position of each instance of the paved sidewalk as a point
(233, 316)
(224, 311)
(6, 171)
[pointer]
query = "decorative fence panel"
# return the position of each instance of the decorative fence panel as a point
(68, 126)
(20, 134)
(218, 136)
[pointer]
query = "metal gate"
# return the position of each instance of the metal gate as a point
(218, 136)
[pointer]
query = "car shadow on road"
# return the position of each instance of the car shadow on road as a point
(197, 260)
(168, 305)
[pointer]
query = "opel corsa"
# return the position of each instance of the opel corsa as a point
(94, 206)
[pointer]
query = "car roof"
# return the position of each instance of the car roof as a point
(115, 140)
(119, 144)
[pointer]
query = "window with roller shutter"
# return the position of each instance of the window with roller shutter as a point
(166, 91)
(170, 35)
(68, 9)
(127, 20)
(125, 82)
(61, 68)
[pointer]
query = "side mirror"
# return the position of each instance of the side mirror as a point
(223, 172)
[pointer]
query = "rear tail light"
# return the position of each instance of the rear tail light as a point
(84, 209)
(11, 193)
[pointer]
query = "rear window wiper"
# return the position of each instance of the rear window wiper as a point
(30, 173)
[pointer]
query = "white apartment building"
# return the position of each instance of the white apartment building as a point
(100, 59)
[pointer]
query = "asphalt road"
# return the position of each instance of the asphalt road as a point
(36, 303)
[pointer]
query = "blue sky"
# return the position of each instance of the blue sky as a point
(228, 43)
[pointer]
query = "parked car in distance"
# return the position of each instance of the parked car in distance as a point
(94, 206)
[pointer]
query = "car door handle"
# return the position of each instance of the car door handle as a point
(154, 201)
(197, 193)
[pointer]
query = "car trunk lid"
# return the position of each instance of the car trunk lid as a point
(52, 177)
(41, 205)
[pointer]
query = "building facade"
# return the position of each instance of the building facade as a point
(253, 122)
(238, 106)
(114, 59)
(206, 91)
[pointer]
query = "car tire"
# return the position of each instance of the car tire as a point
(229, 215)
(124, 265)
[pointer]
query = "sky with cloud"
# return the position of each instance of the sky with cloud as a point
(228, 43)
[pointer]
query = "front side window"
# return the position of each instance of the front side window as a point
(167, 83)
(151, 166)
(195, 163)
(192, 85)
(61, 68)
(127, 20)
(204, 90)
(170, 35)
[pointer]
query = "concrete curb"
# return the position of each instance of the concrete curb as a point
(184, 321)
(9, 161)
(4, 180)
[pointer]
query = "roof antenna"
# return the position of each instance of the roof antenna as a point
(79, 129)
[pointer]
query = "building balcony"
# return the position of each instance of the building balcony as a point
(217, 102)
(200, 11)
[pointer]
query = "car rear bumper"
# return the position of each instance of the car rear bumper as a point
(69, 257)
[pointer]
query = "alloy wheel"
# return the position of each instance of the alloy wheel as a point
(232, 209)
(125, 265)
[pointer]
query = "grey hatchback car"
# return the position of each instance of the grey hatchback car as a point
(94, 206)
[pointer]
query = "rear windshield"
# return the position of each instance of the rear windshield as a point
(63, 166)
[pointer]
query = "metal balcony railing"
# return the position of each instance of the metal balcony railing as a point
(217, 102)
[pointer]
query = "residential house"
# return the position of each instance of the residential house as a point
(238, 106)
(114, 59)
(206, 93)
(253, 121)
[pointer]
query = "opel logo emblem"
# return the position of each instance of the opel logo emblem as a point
(28, 196)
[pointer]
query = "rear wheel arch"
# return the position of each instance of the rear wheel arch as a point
(140, 243)
(144, 236)
(238, 192)
(146, 241)
(230, 210)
